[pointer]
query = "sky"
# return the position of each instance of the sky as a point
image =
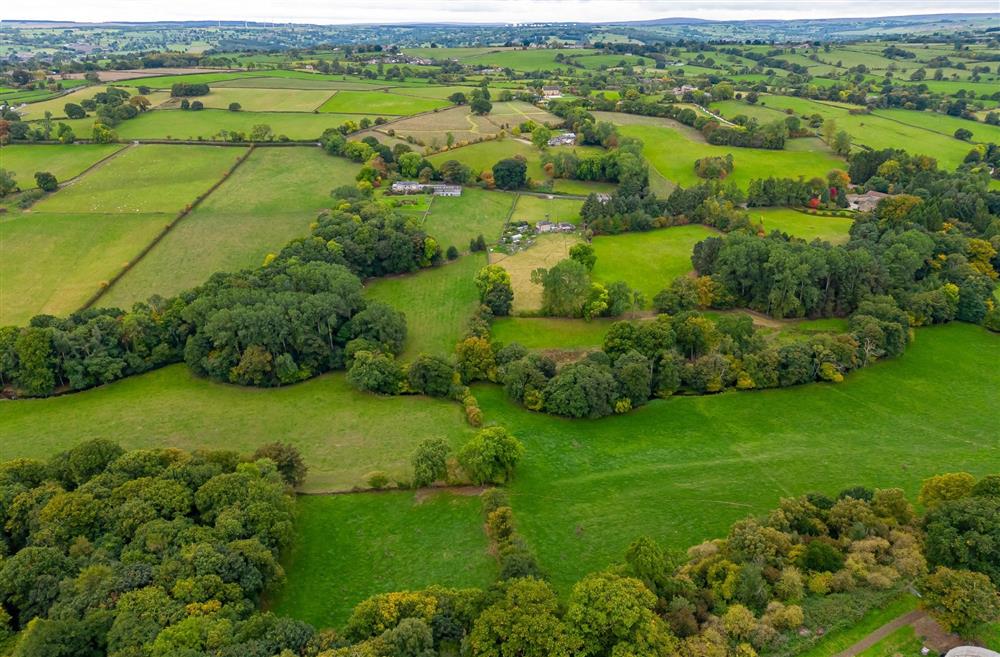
(474, 11)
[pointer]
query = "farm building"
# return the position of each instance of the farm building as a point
(865, 202)
(552, 227)
(551, 92)
(414, 187)
(683, 89)
(565, 139)
(972, 651)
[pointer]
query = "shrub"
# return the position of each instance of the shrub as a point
(46, 181)
(430, 461)
(235, 107)
(377, 479)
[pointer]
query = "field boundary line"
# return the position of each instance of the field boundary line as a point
(101, 162)
(166, 230)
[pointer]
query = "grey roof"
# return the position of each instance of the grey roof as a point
(971, 651)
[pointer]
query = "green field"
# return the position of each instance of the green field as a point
(481, 157)
(64, 161)
(437, 303)
(380, 102)
(836, 641)
(944, 124)
(207, 123)
(647, 261)
(150, 178)
(52, 263)
(343, 434)
(536, 208)
(903, 641)
(270, 200)
(551, 332)
(352, 546)
(682, 470)
(264, 100)
(454, 220)
(877, 131)
(673, 151)
(835, 230)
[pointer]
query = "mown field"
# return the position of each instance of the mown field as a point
(64, 161)
(481, 157)
(551, 332)
(382, 542)
(437, 303)
(380, 102)
(268, 201)
(835, 230)
(455, 220)
(539, 208)
(264, 100)
(647, 261)
(343, 434)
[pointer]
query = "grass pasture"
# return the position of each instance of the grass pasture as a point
(835, 230)
(268, 201)
(343, 434)
(546, 252)
(455, 220)
(647, 261)
(552, 332)
(380, 102)
(878, 131)
(672, 148)
(437, 302)
(262, 99)
(149, 178)
(352, 546)
(482, 156)
(533, 209)
(682, 470)
(64, 161)
(53, 262)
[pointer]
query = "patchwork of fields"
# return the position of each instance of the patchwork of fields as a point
(679, 470)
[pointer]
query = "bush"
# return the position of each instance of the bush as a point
(490, 457)
(377, 479)
(430, 461)
(46, 181)
(235, 107)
